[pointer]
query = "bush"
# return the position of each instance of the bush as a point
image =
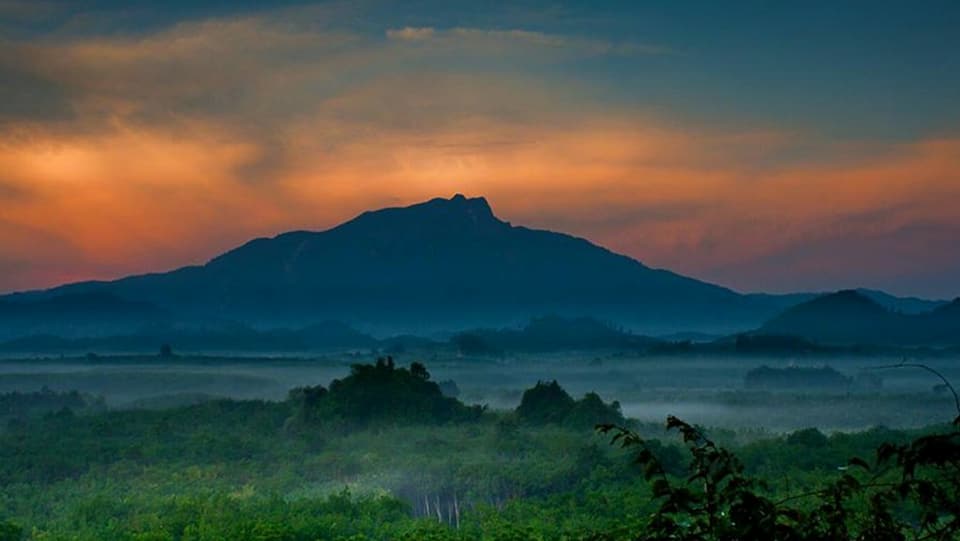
(545, 403)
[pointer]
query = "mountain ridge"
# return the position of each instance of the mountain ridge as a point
(851, 317)
(439, 264)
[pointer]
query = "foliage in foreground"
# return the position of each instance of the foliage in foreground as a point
(910, 490)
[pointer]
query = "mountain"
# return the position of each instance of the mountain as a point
(906, 305)
(944, 323)
(851, 317)
(82, 313)
(445, 264)
(843, 317)
(219, 339)
(950, 310)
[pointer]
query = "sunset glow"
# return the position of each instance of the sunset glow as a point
(136, 150)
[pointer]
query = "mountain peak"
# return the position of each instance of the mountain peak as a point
(476, 206)
(850, 299)
(456, 213)
(846, 304)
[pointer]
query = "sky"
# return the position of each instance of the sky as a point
(764, 146)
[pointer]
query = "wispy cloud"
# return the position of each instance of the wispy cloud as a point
(500, 39)
(410, 33)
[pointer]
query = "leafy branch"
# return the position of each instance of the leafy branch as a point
(717, 501)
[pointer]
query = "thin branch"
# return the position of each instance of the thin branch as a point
(825, 491)
(905, 364)
(877, 484)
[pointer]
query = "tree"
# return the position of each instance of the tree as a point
(417, 370)
(545, 403)
(380, 393)
(808, 437)
(591, 410)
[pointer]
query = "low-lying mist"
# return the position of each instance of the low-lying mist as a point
(709, 392)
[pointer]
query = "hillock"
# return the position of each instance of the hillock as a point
(380, 393)
(548, 403)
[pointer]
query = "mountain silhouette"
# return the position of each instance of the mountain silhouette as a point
(950, 310)
(441, 264)
(83, 313)
(219, 339)
(906, 305)
(852, 317)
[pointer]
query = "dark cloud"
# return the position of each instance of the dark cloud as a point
(27, 96)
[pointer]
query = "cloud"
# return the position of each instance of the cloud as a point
(28, 10)
(152, 151)
(491, 40)
(410, 33)
(13, 192)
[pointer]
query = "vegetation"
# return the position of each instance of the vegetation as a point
(540, 335)
(17, 405)
(547, 403)
(911, 489)
(797, 377)
(383, 454)
(380, 393)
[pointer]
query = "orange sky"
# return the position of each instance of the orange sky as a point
(186, 142)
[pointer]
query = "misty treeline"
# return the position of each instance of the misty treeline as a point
(18, 405)
(383, 454)
(382, 394)
(376, 394)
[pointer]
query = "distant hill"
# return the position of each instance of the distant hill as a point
(906, 305)
(944, 323)
(851, 317)
(444, 264)
(949, 311)
(541, 334)
(551, 333)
